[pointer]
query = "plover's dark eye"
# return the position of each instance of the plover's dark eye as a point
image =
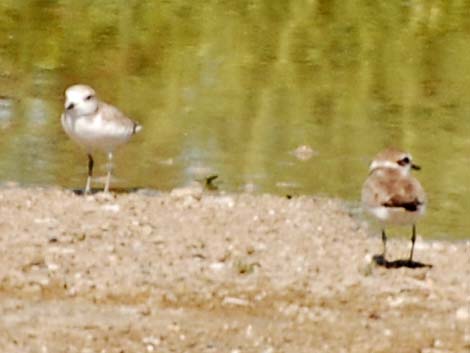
(404, 161)
(89, 97)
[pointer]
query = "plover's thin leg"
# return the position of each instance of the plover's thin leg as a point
(90, 174)
(413, 238)
(110, 169)
(384, 241)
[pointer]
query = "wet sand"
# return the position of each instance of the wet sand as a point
(192, 271)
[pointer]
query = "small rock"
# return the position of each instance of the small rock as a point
(147, 230)
(235, 301)
(249, 331)
(394, 302)
(155, 341)
(216, 266)
(111, 207)
(46, 220)
(52, 267)
(304, 152)
(368, 258)
(463, 313)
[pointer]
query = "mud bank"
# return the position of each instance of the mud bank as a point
(188, 271)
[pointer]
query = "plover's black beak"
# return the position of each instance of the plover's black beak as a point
(70, 106)
(415, 166)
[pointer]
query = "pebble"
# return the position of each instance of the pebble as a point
(249, 331)
(304, 152)
(46, 220)
(463, 313)
(394, 302)
(235, 301)
(155, 341)
(217, 266)
(114, 208)
(147, 230)
(52, 267)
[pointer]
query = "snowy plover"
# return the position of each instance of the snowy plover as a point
(96, 126)
(392, 195)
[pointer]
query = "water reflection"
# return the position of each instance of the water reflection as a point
(233, 88)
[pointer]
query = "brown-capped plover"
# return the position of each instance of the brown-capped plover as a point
(96, 126)
(392, 195)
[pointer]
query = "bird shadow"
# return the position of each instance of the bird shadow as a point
(381, 261)
(81, 192)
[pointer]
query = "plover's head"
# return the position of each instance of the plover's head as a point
(395, 159)
(80, 100)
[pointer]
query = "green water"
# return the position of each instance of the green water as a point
(232, 87)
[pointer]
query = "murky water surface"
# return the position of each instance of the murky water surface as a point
(234, 87)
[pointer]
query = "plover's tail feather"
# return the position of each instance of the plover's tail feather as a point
(136, 127)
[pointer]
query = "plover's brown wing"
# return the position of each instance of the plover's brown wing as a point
(111, 114)
(389, 188)
(406, 193)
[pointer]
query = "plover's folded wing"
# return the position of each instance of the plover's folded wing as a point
(407, 205)
(113, 115)
(404, 193)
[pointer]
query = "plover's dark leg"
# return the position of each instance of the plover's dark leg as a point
(384, 241)
(110, 169)
(90, 174)
(413, 238)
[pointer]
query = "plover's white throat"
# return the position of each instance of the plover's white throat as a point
(392, 195)
(96, 126)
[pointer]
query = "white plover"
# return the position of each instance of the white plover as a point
(96, 126)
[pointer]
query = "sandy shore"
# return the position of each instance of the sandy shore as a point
(199, 272)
